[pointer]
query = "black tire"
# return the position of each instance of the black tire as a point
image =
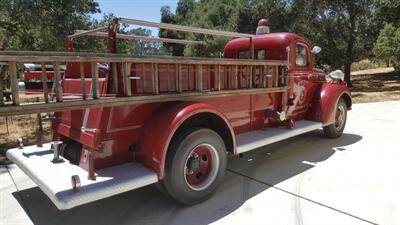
(189, 153)
(71, 150)
(161, 188)
(336, 129)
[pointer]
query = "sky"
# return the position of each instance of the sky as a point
(135, 9)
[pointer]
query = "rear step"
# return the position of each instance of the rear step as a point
(55, 178)
(255, 139)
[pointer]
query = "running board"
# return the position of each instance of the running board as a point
(54, 179)
(255, 139)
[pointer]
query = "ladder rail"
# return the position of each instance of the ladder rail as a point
(34, 108)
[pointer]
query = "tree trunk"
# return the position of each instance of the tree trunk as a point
(347, 74)
(349, 55)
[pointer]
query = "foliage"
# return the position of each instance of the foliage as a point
(42, 24)
(92, 44)
(389, 12)
(387, 46)
(216, 14)
(345, 29)
(45, 24)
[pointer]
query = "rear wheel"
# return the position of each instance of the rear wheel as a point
(336, 129)
(195, 164)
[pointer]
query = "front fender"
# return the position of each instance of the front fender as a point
(158, 131)
(324, 107)
(330, 95)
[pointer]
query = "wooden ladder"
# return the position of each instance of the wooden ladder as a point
(224, 77)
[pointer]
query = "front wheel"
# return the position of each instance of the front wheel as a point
(336, 129)
(196, 163)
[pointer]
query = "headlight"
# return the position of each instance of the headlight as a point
(337, 74)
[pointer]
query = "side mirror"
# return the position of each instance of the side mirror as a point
(316, 50)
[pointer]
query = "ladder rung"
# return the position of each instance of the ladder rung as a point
(199, 77)
(82, 77)
(155, 78)
(12, 70)
(57, 82)
(178, 81)
(144, 77)
(95, 81)
(114, 69)
(44, 83)
(2, 70)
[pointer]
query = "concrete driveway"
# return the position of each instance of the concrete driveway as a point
(305, 180)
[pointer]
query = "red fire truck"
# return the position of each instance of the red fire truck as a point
(128, 122)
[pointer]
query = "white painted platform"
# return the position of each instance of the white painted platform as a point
(54, 179)
(255, 139)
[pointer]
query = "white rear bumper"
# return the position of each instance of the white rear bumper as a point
(55, 178)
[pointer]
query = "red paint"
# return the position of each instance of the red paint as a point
(33, 80)
(70, 45)
(263, 23)
(330, 94)
(143, 132)
(37, 75)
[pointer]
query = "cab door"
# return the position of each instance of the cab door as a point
(301, 81)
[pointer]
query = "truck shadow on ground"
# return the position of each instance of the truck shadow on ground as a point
(246, 177)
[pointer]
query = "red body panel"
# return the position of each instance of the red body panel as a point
(330, 95)
(143, 132)
(37, 75)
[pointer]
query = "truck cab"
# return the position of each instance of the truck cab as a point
(306, 84)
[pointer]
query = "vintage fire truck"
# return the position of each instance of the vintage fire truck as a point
(122, 122)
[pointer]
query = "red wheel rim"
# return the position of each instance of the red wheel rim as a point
(201, 167)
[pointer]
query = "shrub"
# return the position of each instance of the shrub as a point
(387, 47)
